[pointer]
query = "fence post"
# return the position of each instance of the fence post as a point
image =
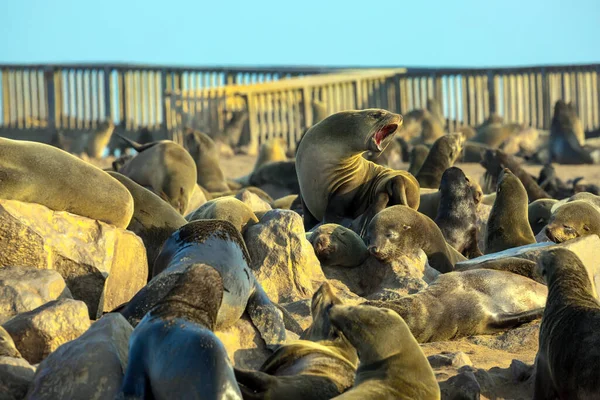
(107, 95)
(50, 97)
(163, 89)
(398, 97)
(491, 93)
(546, 99)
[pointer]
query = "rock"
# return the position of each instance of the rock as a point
(463, 386)
(587, 248)
(39, 332)
(283, 261)
(16, 375)
(102, 265)
(446, 359)
(244, 345)
(253, 201)
(520, 371)
(89, 367)
(516, 341)
(24, 289)
(7, 345)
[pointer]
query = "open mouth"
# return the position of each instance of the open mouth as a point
(383, 133)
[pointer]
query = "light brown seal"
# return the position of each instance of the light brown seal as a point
(567, 360)
(206, 157)
(99, 139)
(34, 172)
(271, 151)
(392, 364)
(573, 219)
(539, 213)
(337, 183)
(443, 155)
(508, 222)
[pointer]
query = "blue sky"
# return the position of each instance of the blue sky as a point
(305, 32)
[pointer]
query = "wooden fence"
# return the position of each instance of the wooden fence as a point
(78, 97)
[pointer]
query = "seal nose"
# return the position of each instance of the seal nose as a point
(374, 250)
(321, 243)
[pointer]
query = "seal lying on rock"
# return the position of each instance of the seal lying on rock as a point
(338, 246)
(174, 353)
(392, 364)
(567, 360)
(220, 245)
(573, 219)
(166, 168)
(337, 183)
(475, 302)
(34, 172)
(400, 230)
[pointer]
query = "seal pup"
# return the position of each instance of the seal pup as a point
(319, 368)
(220, 245)
(34, 172)
(99, 139)
(572, 220)
(392, 364)
(206, 157)
(153, 220)
(457, 213)
(335, 245)
(165, 167)
(567, 359)
(567, 136)
(443, 154)
(467, 303)
(337, 183)
(508, 222)
(430, 199)
(418, 155)
(539, 213)
(400, 230)
(173, 352)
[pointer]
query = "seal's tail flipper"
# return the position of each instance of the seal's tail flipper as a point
(266, 318)
(505, 321)
(136, 146)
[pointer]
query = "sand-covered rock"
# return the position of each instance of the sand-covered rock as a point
(253, 201)
(39, 332)
(102, 265)
(244, 345)
(24, 289)
(283, 260)
(16, 374)
(89, 367)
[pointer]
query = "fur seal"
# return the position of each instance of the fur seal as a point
(99, 139)
(319, 111)
(232, 133)
(165, 167)
(573, 219)
(277, 178)
(435, 108)
(173, 350)
(271, 151)
(508, 222)
(400, 230)
(338, 246)
(539, 213)
(392, 364)
(154, 220)
(316, 369)
(567, 136)
(34, 172)
(220, 245)
(206, 157)
(567, 359)
(443, 154)
(337, 183)
(474, 302)
(7, 345)
(494, 134)
(227, 209)
(285, 202)
(516, 265)
(430, 199)
(457, 213)
(418, 155)
(431, 129)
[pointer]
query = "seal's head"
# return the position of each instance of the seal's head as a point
(392, 233)
(376, 333)
(322, 301)
(510, 187)
(360, 130)
(456, 184)
(338, 246)
(552, 263)
(573, 219)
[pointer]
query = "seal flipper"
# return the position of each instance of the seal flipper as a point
(266, 317)
(505, 321)
(136, 146)
(253, 384)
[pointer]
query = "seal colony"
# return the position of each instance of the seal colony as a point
(316, 276)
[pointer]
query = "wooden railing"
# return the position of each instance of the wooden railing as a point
(78, 97)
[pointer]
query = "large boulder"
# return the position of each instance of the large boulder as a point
(98, 359)
(16, 375)
(103, 265)
(39, 332)
(24, 289)
(283, 260)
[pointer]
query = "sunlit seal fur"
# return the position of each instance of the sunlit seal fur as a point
(206, 157)
(572, 220)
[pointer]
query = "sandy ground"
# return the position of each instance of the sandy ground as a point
(237, 166)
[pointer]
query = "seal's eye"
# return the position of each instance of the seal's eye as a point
(406, 227)
(377, 114)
